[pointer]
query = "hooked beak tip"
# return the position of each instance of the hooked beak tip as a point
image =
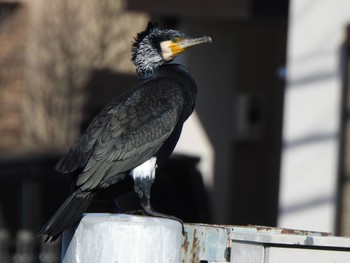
(209, 40)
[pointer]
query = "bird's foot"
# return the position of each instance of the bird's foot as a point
(135, 212)
(151, 212)
(148, 210)
(116, 207)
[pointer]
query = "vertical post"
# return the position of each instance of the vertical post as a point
(342, 224)
(123, 238)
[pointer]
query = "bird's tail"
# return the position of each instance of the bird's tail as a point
(67, 215)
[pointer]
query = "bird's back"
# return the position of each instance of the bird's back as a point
(131, 129)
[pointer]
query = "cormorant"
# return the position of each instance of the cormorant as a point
(136, 132)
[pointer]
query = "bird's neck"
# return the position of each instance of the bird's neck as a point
(147, 60)
(148, 72)
(161, 70)
(180, 75)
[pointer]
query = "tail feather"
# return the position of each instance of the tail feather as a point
(67, 215)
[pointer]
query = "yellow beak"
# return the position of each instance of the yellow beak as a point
(171, 49)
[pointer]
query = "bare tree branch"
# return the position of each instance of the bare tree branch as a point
(68, 40)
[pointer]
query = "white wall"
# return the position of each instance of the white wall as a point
(311, 115)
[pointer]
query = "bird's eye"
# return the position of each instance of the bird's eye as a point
(174, 39)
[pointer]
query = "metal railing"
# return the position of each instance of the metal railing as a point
(25, 247)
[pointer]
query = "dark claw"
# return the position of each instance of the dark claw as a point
(116, 207)
(145, 204)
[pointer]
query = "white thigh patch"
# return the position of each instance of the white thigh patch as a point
(147, 169)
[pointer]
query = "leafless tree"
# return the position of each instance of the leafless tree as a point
(68, 40)
(12, 83)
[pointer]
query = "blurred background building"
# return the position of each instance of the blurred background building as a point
(267, 144)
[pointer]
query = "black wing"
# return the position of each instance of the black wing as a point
(126, 133)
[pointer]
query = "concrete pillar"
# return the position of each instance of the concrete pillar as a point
(123, 238)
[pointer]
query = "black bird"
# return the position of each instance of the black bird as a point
(136, 132)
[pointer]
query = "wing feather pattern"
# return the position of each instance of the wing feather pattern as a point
(126, 133)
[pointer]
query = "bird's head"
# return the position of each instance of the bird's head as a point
(154, 47)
